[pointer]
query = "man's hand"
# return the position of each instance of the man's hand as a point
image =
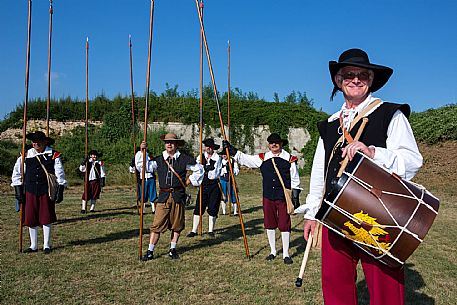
(144, 145)
(232, 150)
(295, 197)
(309, 227)
(351, 149)
(60, 190)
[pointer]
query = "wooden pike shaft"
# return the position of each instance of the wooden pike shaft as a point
(240, 214)
(48, 104)
(200, 193)
(86, 150)
(133, 122)
(143, 171)
(24, 128)
(229, 190)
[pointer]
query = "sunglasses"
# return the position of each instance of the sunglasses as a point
(362, 76)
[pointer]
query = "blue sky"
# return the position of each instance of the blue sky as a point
(276, 46)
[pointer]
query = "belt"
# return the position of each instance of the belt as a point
(171, 189)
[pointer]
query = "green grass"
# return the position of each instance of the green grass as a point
(95, 258)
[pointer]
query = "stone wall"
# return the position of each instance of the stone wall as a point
(297, 137)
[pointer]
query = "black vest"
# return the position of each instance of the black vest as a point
(208, 167)
(375, 133)
(272, 188)
(35, 177)
(163, 171)
(97, 168)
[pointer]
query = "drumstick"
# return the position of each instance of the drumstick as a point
(344, 163)
(299, 280)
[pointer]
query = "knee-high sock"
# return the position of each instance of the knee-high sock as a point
(285, 236)
(83, 205)
(92, 204)
(33, 232)
(272, 241)
(211, 223)
(46, 236)
(234, 208)
(223, 207)
(153, 207)
(195, 223)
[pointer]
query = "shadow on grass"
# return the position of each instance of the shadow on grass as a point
(109, 238)
(413, 283)
(230, 233)
(99, 214)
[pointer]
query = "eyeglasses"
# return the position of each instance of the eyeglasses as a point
(362, 76)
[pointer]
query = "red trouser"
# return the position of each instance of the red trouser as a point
(339, 274)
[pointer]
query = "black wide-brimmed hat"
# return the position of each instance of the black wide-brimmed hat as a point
(172, 137)
(359, 58)
(210, 143)
(39, 136)
(96, 153)
(275, 138)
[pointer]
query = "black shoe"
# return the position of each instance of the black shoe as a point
(83, 211)
(270, 257)
(288, 260)
(30, 250)
(191, 234)
(47, 250)
(92, 211)
(173, 254)
(148, 256)
(211, 234)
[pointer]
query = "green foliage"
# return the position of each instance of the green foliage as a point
(435, 125)
(9, 152)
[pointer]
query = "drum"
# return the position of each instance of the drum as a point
(382, 214)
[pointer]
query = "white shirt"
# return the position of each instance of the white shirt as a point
(236, 168)
(254, 161)
(149, 172)
(92, 173)
(216, 172)
(31, 153)
(401, 156)
(195, 178)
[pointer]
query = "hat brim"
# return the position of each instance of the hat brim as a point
(284, 142)
(381, 73)
(33, 137)
(178, 142)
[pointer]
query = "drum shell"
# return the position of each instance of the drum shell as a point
(368, 188)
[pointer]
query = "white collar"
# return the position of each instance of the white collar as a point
(358, 109)
(283, 154)
(32, 152)
(214, 156)
(175, 156)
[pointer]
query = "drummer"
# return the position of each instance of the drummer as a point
(389, 141)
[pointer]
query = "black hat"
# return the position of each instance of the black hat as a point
(275, 138)
(96, 153)
(359, 58)
(39, 136)
(210, 143)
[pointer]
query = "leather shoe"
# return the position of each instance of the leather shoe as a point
(288, 260)
(83, 211)
(148, 256)
(30, 250)
(191, 234)
(211, 234)
(270, 257)
(173, 254)
(47, 250)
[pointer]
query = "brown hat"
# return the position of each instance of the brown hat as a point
(172, 137)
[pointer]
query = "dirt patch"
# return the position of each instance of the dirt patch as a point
(440, 167)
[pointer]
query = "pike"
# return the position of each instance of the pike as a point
(86, 138)
(48, 104)
(143, 170)
(200, 193)
(133, 120)
(229, 184)
(240, 214)
(24, 128)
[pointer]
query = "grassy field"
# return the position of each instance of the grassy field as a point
(95, 257)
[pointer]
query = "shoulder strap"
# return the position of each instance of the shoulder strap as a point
(279, 175)
(42, 166)
(175, 173)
